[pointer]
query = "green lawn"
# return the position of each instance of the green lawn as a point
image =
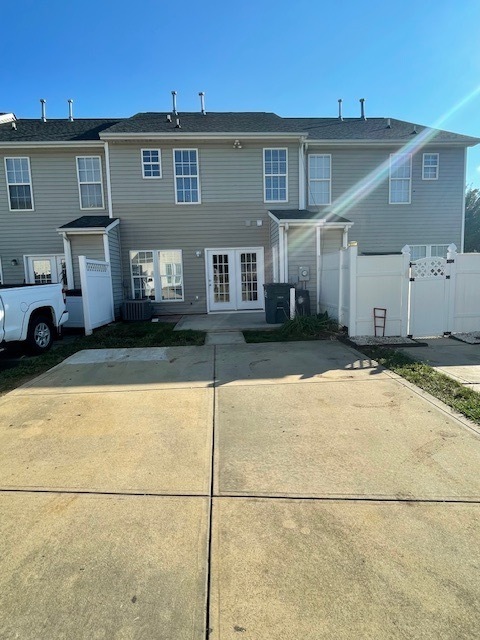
(451, 392)
(117, 335)
(318, 327)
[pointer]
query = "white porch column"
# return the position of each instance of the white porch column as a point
(67, 249)
(405, 292)
(345, 238)
(281, 252)
(319, 264)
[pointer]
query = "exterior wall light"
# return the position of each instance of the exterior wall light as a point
(14, 262)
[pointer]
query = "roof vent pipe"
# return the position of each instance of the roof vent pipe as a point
(414, 128)
(202, 103)
(362, 108)
(169, 117)
(174, 103)
(178, 125)
(340, 117)
(70, 110)
(43, 102)
(389, 123)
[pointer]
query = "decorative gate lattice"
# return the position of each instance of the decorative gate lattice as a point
(429, 268)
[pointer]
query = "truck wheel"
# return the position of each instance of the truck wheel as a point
(40, 334)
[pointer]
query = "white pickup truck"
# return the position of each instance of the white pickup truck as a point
(33, 314)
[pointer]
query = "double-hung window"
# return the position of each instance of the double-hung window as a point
(430, 166)
(90, 187)
(418, 251)
(157, 274)
(400, 178)
(319, 179)
(19, 184)
(151, 163)
(187, 185)
(275, 175)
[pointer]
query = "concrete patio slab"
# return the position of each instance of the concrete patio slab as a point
(287, 362)
(119, 370)
(131, 442)
(459, 360)
(225, 322)
(89, 567)
(344, 570)
(339, 439)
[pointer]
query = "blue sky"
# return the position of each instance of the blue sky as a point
(411, 60)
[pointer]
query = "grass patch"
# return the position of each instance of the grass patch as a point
(114, 336)
(319, 327)
(451, 392)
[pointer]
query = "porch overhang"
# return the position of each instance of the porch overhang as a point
(303, 217)
(89, 225)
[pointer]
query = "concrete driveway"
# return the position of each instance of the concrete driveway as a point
(253, 491)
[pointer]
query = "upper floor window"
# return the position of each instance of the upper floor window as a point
(430, 166)
(418, 251)
(400, 178)
(19, 184)
(187, 186)
(319, 179)
(89, 171)
(151, 163)
(275, 175)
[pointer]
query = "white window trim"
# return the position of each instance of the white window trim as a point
(142, 162)
(276, 174)
(329, 180)
(428, 248)
(156, 274)
(101, 184)
(199, 201)
(396, 155)
(423, 166)
(19, 183)
(1, 272)
(37, 256)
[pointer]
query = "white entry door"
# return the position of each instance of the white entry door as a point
(45, 269)
(235, 279)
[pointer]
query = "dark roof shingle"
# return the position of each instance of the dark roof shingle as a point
(303, 214)
(90, 222)
(55, 130)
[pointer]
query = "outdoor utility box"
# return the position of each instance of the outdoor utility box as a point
(136, 310)
(302, 302)
(303, 274)
(277, 302)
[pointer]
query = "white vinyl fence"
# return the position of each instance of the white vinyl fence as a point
(429, 297)
(97, 293)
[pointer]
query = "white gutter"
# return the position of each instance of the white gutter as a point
(387, 143)
(109, 183)
(462, 234)
(179, 135)
(79, 143)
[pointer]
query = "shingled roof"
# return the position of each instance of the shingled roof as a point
(328, 129)
(34, 130)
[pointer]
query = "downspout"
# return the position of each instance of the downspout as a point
(285, 251)
(462, 234)
(302, 149)
(67, 249)
(109, 183)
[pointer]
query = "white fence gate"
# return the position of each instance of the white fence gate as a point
(97, 293)
(428, 297)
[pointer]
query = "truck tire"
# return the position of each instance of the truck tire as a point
(40, 334)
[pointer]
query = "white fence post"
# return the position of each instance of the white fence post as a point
(450, 283)
(340, 286)
(405, 292)
(352, 311)
(82, 263)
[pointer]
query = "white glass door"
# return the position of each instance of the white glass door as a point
(235, 279)
(45, 269)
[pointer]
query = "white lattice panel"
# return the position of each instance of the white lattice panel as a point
(429, 268)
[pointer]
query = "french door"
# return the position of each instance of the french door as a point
(235, 279)
(45, 269)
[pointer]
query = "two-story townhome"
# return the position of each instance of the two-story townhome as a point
(196, 211)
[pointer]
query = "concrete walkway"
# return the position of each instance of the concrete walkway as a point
(218, 322)
(458, 360)
(262, 491)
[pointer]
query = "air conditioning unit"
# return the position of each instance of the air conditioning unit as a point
(136, 310)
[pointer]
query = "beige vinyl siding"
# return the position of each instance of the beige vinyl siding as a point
(226, 174)
(88, 245)
(55, 193)
(232, 202)
(116, 267)
(302, 252)
(433, 217)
